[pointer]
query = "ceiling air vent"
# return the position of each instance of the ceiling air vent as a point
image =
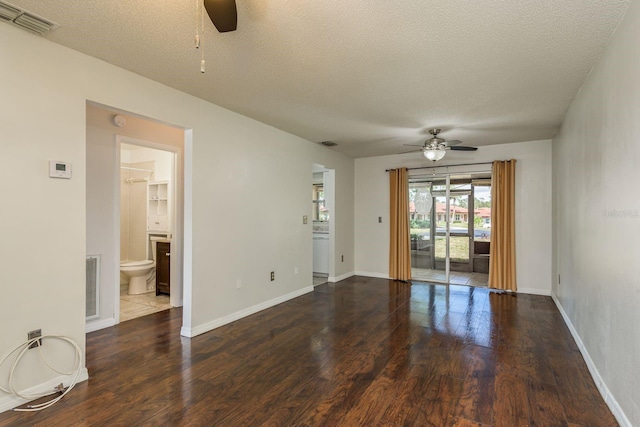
(25, 19)
(9, 13)
(328, 143)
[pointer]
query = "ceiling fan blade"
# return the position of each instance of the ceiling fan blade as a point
(223, 14)
(412, 151)
(451, 142)
(463, 148)
(414, 145)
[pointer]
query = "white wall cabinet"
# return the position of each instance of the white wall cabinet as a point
(158, 207)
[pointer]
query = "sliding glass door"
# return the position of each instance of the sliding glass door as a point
(420, 229)
(459, 224)
(450, 228)
(429, 228)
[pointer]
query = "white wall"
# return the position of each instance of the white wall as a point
(597, 219)
(533, 208)
(257, 192)
(246, 196)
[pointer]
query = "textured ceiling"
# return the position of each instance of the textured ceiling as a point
(369, 75)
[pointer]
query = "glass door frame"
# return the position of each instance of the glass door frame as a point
(468, 233)
(433, 231)
(447, 230)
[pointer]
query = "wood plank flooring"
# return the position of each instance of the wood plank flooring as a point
(363, 352)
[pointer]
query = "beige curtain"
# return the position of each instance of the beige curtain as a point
(400, 245)
(502, 260)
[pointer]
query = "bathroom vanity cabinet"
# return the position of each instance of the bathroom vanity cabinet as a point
(158, 207)
(163, 268)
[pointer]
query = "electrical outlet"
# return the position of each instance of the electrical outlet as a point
(558, 279)
(379, 219)
(342, 258)
(238, 283)
(296, 270)
(35, 334)
(273, 276)
(305, 219)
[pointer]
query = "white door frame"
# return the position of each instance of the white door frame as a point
(177, 221)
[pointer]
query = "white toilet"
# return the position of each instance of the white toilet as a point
(138, 272)
(141, 274)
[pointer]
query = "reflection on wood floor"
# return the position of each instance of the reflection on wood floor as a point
(361, 352)
(455, 277)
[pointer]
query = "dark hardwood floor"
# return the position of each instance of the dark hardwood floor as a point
(363, 352)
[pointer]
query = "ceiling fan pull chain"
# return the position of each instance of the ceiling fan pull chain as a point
(198, 15)
(201, 45)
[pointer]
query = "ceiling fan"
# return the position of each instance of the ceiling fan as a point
(435, 147)
(223, 14)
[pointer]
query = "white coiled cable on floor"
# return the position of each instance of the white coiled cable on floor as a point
(77, 370)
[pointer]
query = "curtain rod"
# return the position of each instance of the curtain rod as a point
(134, 180)
(446, 166)
(135, 169)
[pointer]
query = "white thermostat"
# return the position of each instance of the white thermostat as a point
(59, 169)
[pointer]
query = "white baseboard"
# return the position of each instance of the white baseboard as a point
(369, 274)
(617, 411)
(8, 401)
(99, 324)
(535, 291)
(206, 327)
(341, 277)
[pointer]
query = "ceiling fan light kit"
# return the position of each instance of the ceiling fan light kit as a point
(435, 147)
(434, 154)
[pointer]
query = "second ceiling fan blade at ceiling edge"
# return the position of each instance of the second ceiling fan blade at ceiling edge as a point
(453, 142)
(463, 148)
(223, 14)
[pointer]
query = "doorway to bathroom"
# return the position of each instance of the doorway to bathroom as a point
(135, 208)
(146, 207)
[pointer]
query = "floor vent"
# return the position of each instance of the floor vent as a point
(93, 287)
(24, 19)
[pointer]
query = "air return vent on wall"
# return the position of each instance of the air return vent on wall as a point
(93, 287)
(24, 19)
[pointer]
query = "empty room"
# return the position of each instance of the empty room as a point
(247, 212)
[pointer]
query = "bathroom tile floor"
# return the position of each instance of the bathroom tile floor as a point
(133, 306)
